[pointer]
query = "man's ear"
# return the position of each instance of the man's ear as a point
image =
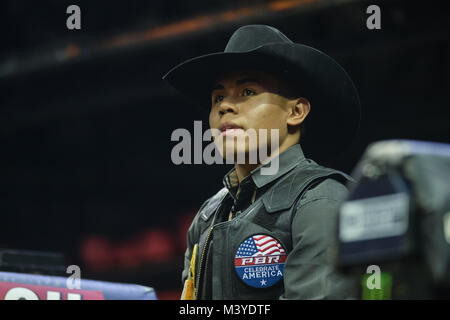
(299, 110)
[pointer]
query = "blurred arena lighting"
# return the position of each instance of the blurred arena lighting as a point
(152, 246)
(200, 23)
(206, 22)
(155, 246)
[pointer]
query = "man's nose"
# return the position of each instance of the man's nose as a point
(227, 106)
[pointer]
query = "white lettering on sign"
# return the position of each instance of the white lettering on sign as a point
(53, 295)
(260, 260)
(374, 218)
(20, 293)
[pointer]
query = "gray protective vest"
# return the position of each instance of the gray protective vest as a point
(271, 214)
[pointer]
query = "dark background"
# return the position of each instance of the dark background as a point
(85, 120)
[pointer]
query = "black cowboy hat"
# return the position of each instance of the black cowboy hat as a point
(333, 121)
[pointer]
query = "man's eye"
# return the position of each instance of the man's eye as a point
(248, 92)
(218, 98)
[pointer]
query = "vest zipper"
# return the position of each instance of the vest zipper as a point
(204, 250)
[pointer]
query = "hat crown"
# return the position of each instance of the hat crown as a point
(249, 37)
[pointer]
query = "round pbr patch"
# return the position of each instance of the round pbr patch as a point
(259, 261)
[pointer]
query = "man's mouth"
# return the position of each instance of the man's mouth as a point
(229, 129)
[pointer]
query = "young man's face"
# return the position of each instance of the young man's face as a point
(248, 100)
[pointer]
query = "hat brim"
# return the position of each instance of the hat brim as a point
(333, 122)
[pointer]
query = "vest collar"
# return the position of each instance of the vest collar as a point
(287, 161)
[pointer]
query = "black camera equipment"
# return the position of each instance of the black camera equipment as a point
(394, 227)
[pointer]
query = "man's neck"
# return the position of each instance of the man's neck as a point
(243, 170)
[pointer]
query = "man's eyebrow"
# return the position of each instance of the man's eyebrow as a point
(238, 82)
(248, 79)
(217, 87)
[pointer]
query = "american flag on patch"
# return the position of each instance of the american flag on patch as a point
(259, 245)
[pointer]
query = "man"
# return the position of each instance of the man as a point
(269, 236)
